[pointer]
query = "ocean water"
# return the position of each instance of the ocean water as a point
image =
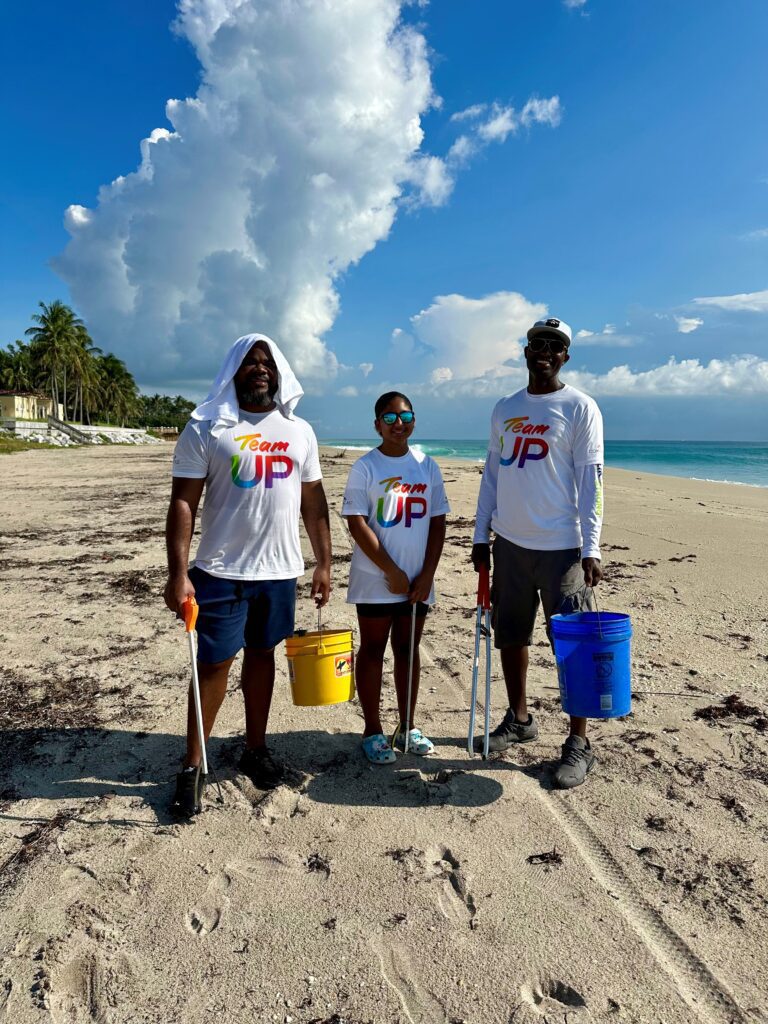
(739, 462)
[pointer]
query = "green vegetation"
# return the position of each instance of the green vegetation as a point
(62, 360)
(162, 411)
(17, 444)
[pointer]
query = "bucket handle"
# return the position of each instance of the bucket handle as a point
(597, 610)
(582, 593)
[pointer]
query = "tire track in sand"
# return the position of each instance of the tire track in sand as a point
(701, 989)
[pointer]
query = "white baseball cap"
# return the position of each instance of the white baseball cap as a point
(551, 326)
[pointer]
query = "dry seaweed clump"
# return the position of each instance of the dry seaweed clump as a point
(139, 585)
(733, 707)
(57, 702)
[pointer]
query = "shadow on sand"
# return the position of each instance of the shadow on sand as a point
(328, 767)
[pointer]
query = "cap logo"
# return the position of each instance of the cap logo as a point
(553, 323)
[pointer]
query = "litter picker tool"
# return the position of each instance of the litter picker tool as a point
(411, 651)
(482, 628)
(190, 609)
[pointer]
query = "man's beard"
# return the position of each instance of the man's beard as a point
(262, 399)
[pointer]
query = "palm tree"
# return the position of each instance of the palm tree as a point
(120, 397)
(17, 369)
(54, 341)
(84, 367)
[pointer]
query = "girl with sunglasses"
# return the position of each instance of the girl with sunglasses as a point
(395, 505)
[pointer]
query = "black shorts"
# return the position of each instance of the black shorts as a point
(391, 609)
(522, 578)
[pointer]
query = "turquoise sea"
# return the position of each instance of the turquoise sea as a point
(738, 462)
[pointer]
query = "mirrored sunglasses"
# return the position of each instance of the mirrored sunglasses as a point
(392, 417)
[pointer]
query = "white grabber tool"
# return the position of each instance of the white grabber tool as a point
(482, 628)
(191, 609)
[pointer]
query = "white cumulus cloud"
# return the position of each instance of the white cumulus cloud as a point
(283, 170)
(752, 302)
(737, 375)
(461, 346)
(287, 166)
(467, 337)
(688, 324)
(365, 368)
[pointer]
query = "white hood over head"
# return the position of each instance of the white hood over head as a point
(221, 406)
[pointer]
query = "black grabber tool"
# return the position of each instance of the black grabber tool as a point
(482, 628)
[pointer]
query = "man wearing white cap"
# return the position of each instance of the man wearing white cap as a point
(260, 469)
(542, 496)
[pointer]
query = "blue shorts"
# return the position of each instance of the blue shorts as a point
(240, 613)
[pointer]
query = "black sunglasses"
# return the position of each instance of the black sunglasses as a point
(392, 417)
(555, 345)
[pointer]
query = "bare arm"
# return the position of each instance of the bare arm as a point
(422, 585)
(370, 545)
(179, 527)
(314, 513)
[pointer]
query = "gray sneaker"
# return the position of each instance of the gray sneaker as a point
(575, 761)
(508, 732)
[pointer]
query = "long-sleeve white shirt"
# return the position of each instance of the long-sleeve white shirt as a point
(542, 482)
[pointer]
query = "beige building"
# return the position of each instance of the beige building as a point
(27, 405)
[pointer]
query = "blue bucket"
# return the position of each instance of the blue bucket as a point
(592, 651)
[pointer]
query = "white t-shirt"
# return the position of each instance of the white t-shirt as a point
(253, 474)
(528, 494)
(398, 496)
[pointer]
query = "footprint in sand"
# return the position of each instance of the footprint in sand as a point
(205, 918)
(264, 870)
(551, 997)
(418, 1004)
(456, 901)
(202, 922)
(76, 992)
(278, 805)
(76, 877)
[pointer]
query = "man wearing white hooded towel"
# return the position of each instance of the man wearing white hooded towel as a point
(260, 469)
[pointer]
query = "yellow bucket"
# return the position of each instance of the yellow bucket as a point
(321, 667)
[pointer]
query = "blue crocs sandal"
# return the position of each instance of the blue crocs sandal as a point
(418, 743)
(377, 749)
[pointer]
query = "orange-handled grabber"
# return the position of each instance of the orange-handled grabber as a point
(482, 628)
(190, 608)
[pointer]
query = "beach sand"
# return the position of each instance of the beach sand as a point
(353, 894)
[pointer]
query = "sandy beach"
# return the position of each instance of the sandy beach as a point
(439, 891)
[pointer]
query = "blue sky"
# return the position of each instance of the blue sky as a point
(613, 171)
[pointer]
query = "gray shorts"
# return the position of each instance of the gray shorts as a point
(520, 575)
